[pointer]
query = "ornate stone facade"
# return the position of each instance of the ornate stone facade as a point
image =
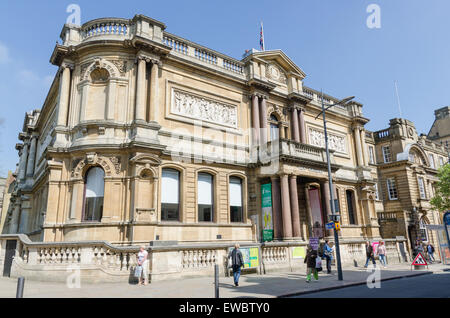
(115, 153)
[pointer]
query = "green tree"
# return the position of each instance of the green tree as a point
(441, 200)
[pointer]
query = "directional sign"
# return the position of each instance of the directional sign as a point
(330, 226)
(419, 260)
(337, 226)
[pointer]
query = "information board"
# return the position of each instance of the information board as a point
(266, 204)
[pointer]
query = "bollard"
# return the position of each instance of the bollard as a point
(216, 280)
(20, 285)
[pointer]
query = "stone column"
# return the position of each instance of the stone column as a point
(286, 207)
(31, 157)
(308, 211)
(357, 137)
(302, 127)
(140, 90)
(326, 197)
(295, 128)
(255, 118)
(276, 206)
(64, 95)
(154, 91)
(263, 119)
(14, 225)
(364, 147)
(23, 161)
(294, 206)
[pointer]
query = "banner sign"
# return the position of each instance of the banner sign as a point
(250, 256)
(314, 243)
(266, 204)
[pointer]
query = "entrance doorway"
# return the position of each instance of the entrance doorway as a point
(9, 255)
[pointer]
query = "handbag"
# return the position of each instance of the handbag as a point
(318, 263)
(138, 271)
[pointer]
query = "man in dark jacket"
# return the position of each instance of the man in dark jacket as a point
(370, 255)
(237, 262)
(310, 260)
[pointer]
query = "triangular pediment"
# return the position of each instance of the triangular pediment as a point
(279, 59)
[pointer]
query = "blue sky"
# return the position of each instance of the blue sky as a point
(328, 39)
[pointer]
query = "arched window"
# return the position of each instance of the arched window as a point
(351, 207)
(205, 197)
(170, 195)
(235, 193)
(94, 188)
(274, 128)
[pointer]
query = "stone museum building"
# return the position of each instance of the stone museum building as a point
(149, 137)
(440, 131)
(407, 176)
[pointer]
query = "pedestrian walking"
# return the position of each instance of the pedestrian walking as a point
(141, 271)
(328, 254)
(236, 263)
(381, 250)
(311, 264)
(369, 255)
(430, 251)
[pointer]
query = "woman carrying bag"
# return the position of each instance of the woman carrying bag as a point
(313, 264)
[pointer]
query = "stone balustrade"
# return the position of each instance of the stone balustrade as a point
(102, 27)
(100, 261)
(297, 150)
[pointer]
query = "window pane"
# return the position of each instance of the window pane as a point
(392, 190)
(274, 134)
(169, 212)
(205, 189)
(235, 192)
(170, 187)
(93, 210)
(95, 183)
(205, 213)
(235, 214)
(205, 197)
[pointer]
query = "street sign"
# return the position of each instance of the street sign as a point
(329, 226)
(419, 260)
(337, 226)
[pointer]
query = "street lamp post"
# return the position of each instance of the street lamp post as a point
(334, 216)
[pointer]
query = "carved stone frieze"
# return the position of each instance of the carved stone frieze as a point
(335, 142)
(202, 108)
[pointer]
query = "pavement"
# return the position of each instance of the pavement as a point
(250, 286)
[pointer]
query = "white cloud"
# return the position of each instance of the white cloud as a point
(29, 77)
(4, 54)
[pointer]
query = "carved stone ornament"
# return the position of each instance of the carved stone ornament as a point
(335, 142)
(275, 73)
(205, 109)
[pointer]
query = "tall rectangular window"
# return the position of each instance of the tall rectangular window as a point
(441, 161)
(371, 155)
(422, 188)
(386, 154)
(392, 190)
(431, 158)
(377, 194)
(205, 197)
(170, 195)
(236, 214)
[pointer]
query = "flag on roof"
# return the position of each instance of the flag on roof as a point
(261, 40)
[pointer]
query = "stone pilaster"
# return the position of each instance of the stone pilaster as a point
(64, 94)
(154, 91)
(23, 161)
(255, 119)
(357, 138)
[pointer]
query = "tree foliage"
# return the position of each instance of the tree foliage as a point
(441, 200)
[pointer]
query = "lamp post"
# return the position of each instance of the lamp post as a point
(334, 216)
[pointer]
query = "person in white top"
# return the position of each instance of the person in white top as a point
(143, 261)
